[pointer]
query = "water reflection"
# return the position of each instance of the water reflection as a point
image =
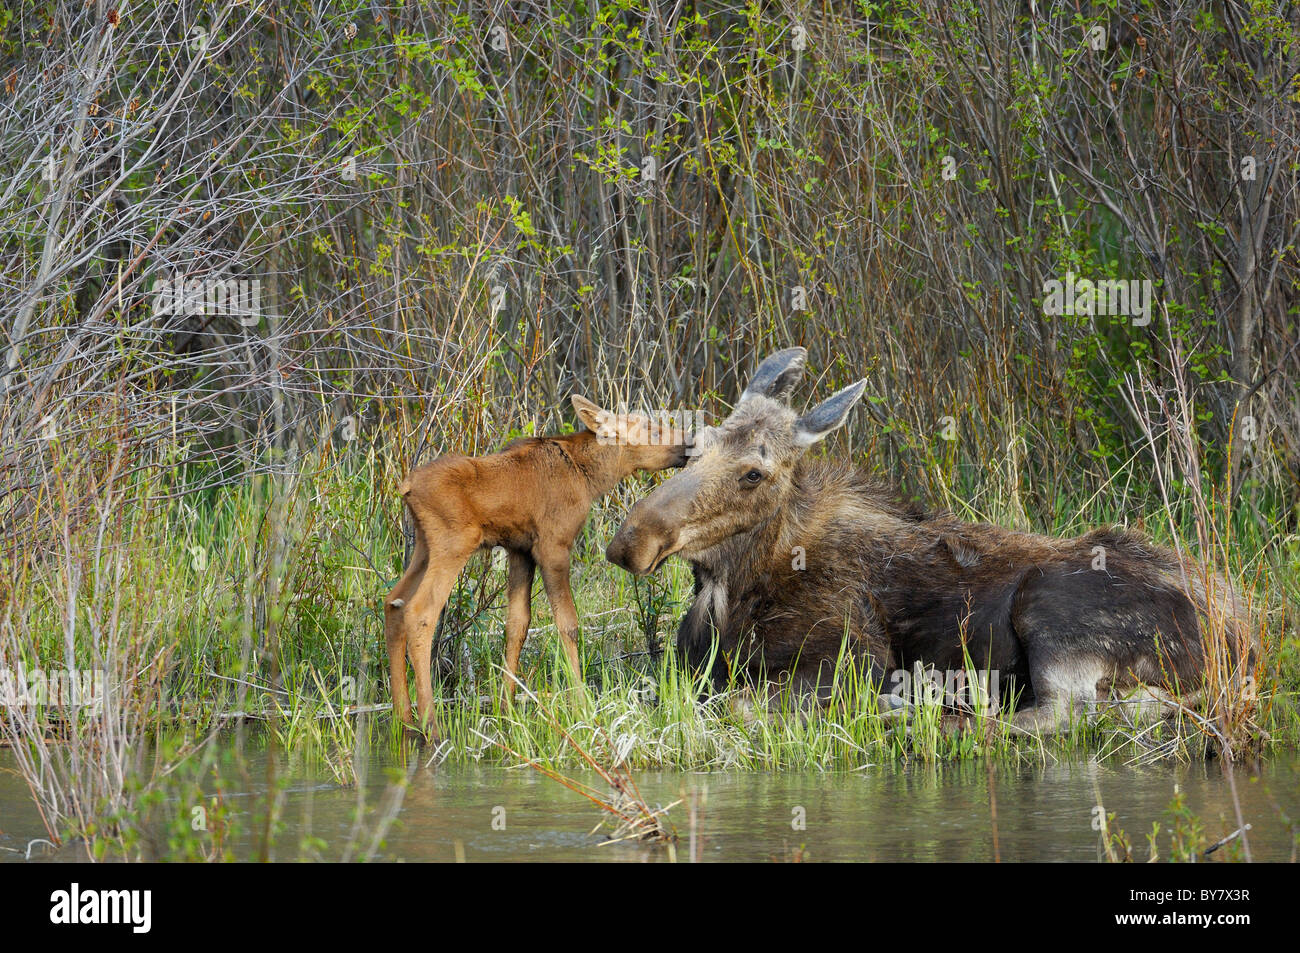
(914, 813)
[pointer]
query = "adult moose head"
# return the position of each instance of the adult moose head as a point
(801, 561)
(742, 472)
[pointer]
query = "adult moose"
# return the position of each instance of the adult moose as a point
(798, 558)
(532, 499)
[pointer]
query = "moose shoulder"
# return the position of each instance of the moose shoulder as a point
(799, 561)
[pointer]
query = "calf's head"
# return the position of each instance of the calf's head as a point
(638, 442)
(740, 474)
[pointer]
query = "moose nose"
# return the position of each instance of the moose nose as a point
(618, 551)
(653, 526)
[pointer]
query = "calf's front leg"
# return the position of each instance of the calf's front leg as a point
(519, 613)
(555, 576)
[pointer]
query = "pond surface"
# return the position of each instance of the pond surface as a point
(914, 813)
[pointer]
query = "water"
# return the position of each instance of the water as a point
(914, 813)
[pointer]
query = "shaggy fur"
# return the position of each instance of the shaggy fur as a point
(798, 559)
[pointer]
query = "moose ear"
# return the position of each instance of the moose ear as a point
(777, 376)
(588, 412)
(829, 414)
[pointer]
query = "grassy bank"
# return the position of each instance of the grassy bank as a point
(262, 598)
(272, 588)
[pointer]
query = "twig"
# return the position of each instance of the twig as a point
(1227, 840)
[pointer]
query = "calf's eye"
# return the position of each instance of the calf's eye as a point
(752, 478)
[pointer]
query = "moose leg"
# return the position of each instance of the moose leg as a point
(422, 620)
(555, 575)
(519, 612)
(1049, 717)
(1064, 689)
(395, 627)
(1082, 628)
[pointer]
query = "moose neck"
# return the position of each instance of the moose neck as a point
(601, 465)
(734, 564)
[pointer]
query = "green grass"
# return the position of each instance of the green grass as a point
(199, 580)
(199, 604)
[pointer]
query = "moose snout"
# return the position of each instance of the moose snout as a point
(654, 527)
(617, 551)
(639, 545)
(622, 552)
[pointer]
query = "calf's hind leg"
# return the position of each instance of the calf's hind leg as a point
(426, 606)
(1082, 628)
(395, 627)
(1064, 621)
(1065, 691)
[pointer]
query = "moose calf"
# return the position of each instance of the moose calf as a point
(532, 499)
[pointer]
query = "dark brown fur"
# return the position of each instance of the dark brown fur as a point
(532, 499)
(811, 558)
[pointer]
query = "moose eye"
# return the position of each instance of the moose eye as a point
(752, 478)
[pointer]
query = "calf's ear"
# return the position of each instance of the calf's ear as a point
(828, 415)
(777, 376)
(589, 413)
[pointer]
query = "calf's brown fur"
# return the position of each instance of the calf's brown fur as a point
(532, 499)
(797, 558)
